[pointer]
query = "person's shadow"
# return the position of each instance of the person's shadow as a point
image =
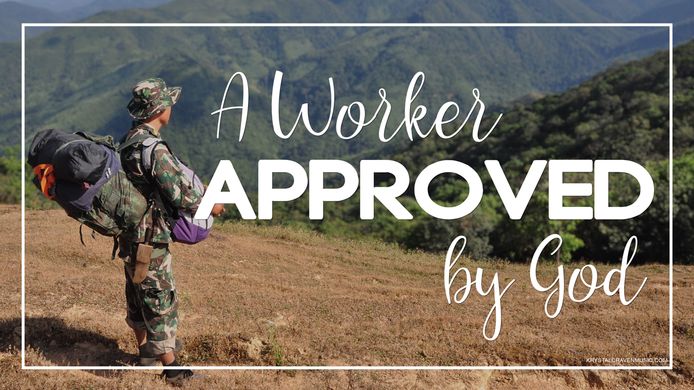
(61, 344)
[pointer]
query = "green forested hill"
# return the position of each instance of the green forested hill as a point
(80, 79)
(621, 113)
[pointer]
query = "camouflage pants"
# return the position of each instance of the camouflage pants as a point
(152, 304)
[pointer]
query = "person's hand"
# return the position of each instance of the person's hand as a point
(218, 209)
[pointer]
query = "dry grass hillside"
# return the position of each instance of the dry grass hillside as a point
(275, 296)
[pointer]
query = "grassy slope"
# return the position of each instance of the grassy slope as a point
(256, 295)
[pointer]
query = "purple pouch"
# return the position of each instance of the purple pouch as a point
(184, 228)
(190, 231)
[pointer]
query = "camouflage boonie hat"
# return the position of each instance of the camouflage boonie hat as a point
(151, 97)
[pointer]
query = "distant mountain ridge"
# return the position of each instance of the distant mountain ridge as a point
(14, 13)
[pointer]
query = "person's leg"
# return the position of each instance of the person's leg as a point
(160, 305)
(160, 311)
(140, 316)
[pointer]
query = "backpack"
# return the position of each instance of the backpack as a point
(82, 173)
(184, 228)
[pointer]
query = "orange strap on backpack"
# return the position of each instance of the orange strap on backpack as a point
(46, 176)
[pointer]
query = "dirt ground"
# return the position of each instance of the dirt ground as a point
(275, 296)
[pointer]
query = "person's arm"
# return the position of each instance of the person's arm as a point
(174, 186)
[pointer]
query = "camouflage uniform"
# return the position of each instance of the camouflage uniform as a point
(153, 304)
(165, 178)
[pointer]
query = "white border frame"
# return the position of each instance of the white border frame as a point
(410, 25)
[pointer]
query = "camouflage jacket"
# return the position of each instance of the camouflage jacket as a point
(165, 178)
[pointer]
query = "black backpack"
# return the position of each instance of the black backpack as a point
(88, 183)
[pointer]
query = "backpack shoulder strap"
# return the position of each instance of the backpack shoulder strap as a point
(148, 146)
(148, 143)
(133, 141)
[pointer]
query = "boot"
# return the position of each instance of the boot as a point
(178, 376)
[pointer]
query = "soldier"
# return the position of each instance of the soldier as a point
(153, 302)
